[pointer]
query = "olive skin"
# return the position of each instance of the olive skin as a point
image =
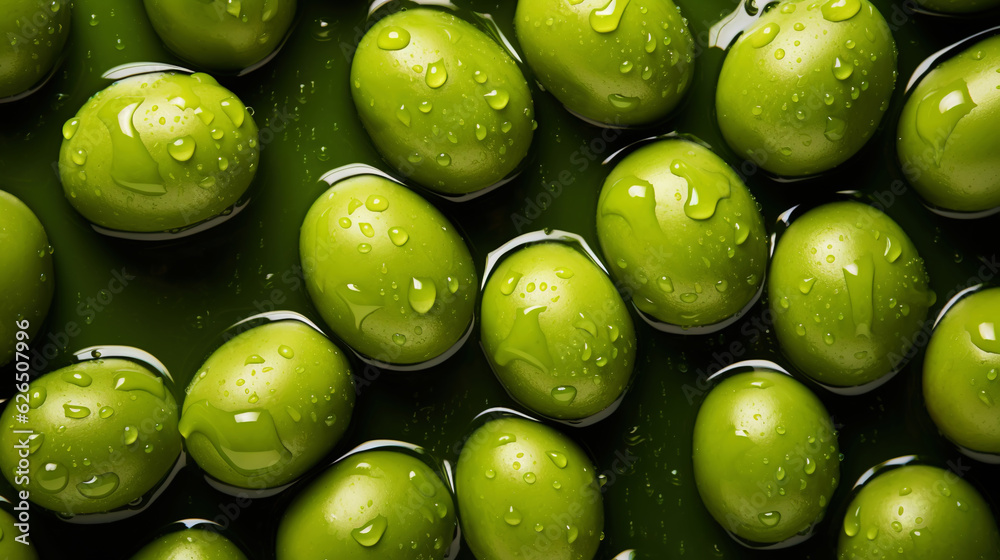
(377, 504)
(766, 459)
(191, 544)
(849, 293)
(443, 103)
(630, 66)
(804, 88)
(958, 6)
(918, 512)
(157, 152)
(9, 547)
(387, 271)
(268, 405)
(556, 332)
(23, 62)
(527, 491)
(26, 283)
(960, 373)
(105, 435)
(221, 35)
(946, 154)
(683, 232)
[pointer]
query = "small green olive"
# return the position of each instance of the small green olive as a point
(156, 152)
(804, 88)
(191, 544)
(683, 232)
(10, 547)
(374, 504)
(268, 405)
(26, 282)
(104, 434)
(947, 128)
(918, 512)
(618, 63)
(961, 388)
(527, 491)
(849, 294)
(228, 35)
(766, 460)
(557, 333)
(443, 102)
(34, 33)
(387, 271)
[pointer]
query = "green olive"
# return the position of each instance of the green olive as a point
(26, 283)
(946, 130)
(443, 103)
(191, 544)
(104, 434)
(527, 491)
(849, 294)
(34, 34)
(387, 271)
(557, 333)
(918, 512)
(268, 405)
(156, 152)
(374, 504)
(766, 460)
(682, 231)
(228, 35)
(960, 373)
(958, 6)
(10, 547)
(805, 87)
(617, 63)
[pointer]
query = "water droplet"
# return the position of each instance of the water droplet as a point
(497, 99)
(835, 129)
(606, 19)
(939, 113)
(526, 341)
(403, 115)
(398, 236)
(564, 394)
(763, 36)
(665, 284)
(181, 149)
(76, 412)
(558, 459)
(852, 522)
(366, 229)
(530, 478)
(443, 159)
(131, 434)
(99, 486)
(132, 167)
(286, 352)
(247, 440)
(769, 518)
(623, 102)
(860, 279)
(369, 534)
(69, 128)
(840, 10)
(106, 412)
(779, 54)
(437, 74)
(422, 294)
(512, 517)
(393, 38)
(293, 413)
(235, 110)
(77, 378)
(705, 189)
(399, 339)
(842, 70)
(572, 533)
(52, 477)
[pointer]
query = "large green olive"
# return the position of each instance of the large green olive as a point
(34, 33)
(222, 34)
(104, 433)
(527, 491)
(443, 103)
(617, 63)
(14, 545)
(806, 86)
(26, 283)
(766, 460)
(379, 504)
(191, 544)
(159, 151)
(387, 271)
(947, 128)
(918, 512)
(268, 405)
(682, 231)
(849, 294)
(960, 373)
(556, 332)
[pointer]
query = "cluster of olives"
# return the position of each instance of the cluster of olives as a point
(681, 237)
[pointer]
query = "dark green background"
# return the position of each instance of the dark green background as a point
(186, 292)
